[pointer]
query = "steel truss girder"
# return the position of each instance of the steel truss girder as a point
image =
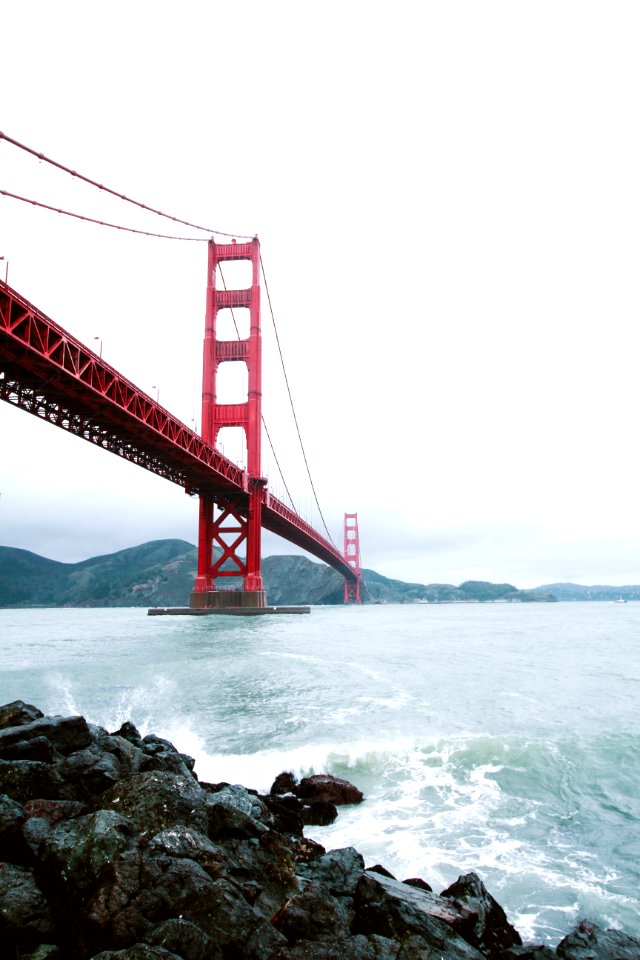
(55, 377)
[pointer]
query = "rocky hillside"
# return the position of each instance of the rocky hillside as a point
(155, 573)
(161, 574)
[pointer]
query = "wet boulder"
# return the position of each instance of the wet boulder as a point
(264, 869)
(27, 779)
(286, 813)
(528, 952)
(160, 754)
(18, 713)
(330, 789)
(284, 783)
(339, 871)
(65, 734)
(90, 771)
(420, 883)
(491, 932)
(75, 852)
(396, 910)
(356, 947)
(188, 844)
(312, 914)
(129, 732)
(589, 942)
(157, 800)
(186, 939)
(25, 915)
(38, 748)
(139, 951)
(128, 753)
(319, 813)
(54, 810)
(12, 816)
(234, 812)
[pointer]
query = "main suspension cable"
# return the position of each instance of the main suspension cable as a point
(121, 196)
(286, 380)
(101, 223)
(209, 230)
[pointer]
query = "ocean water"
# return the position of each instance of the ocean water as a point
(501, 738)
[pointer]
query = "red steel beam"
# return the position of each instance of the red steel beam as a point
(52, 375)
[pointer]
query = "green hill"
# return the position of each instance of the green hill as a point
(157, 573)
(161, 574)
(575, 591)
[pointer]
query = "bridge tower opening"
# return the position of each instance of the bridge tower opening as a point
(352, 556)
(232, 523)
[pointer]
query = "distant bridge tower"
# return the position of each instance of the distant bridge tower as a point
(352, 556)
(225, 519)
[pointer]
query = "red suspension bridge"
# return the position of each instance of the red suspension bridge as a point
(52, 375)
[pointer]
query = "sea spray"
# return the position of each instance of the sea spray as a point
(498, 738)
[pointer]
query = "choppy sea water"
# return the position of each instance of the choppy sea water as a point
(498, 738)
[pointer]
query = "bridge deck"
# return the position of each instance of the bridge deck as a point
(52, 375)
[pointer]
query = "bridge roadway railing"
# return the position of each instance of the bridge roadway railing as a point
(52, 375)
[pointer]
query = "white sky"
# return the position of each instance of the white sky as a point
(448, 200)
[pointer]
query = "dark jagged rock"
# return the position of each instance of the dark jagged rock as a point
(130, 732)
(185, 843)
(315, 798)
(339, 871)
(26, 918)
(54, 810)
(392, 909)
(528, 952)
(75, 851)
(39, 748)
(27, 779)
(323, 786)
(65, 734)
(139, 951)
(312, 914)
(286, 813)
(185, 939)
(18, 713)
(12, 816)
(378, 868)
(357, 947)
(92, 771)
(589, 942)
(492, 932)
(283, 783)
(420, 883)
(319, 813)
(111, 848)
(156, 800)
(265, 942)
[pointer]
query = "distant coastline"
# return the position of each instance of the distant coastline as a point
(161, 573)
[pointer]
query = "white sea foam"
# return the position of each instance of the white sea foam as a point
(528, 775)
(62, 692)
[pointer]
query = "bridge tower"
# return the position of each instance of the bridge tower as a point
(232, 522)
(352, 556)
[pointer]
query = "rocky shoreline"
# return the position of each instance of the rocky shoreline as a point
(111, 847)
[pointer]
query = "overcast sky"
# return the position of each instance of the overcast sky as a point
(447, 196)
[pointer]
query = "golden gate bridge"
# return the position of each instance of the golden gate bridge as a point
(49, 373)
